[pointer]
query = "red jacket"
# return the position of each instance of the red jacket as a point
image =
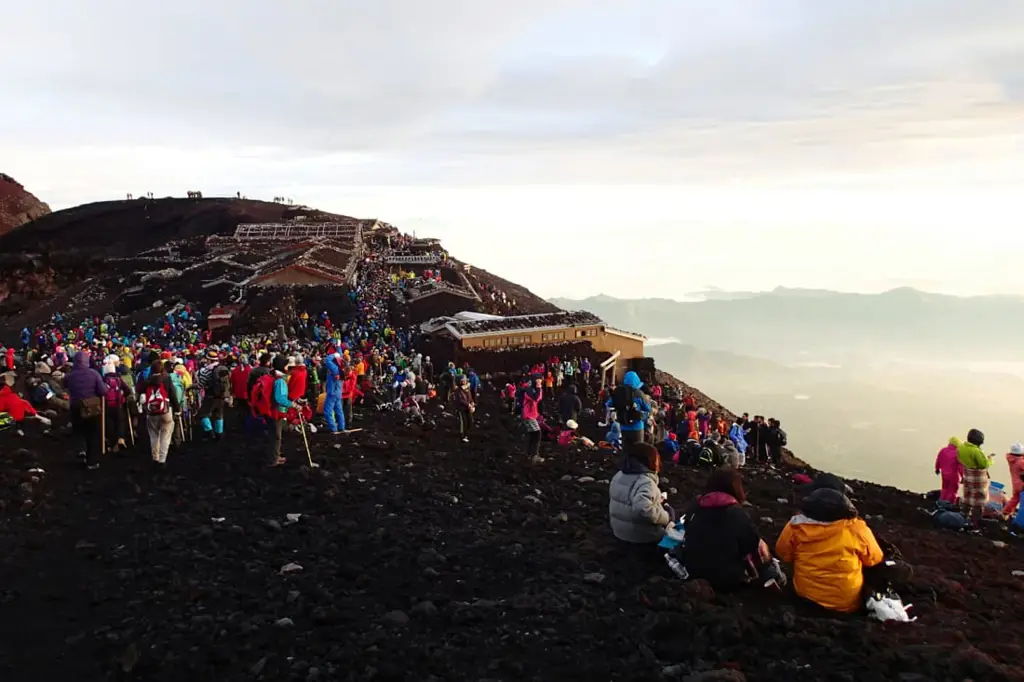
(349, 387)
(297, 382)
(240, 381)
(15, 406)
(10, 359)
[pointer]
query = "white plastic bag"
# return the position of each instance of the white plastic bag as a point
(889, 608)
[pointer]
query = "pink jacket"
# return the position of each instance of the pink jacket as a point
(1016, 463)
(566, 437)
(530, 409)
(947, 462)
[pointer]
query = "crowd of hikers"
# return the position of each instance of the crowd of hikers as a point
(170, 381)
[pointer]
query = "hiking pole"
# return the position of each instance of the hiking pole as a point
(181, 426)
(305, 441)
(103, 427)
(131, 425)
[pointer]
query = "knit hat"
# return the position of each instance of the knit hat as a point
(280, 363)
(572, 425)
(1017, 448)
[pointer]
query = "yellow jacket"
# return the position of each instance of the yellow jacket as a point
(186, 378)
(828, 559)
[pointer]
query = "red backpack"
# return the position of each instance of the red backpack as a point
(154, 400)
(260, 397)
(115, 391)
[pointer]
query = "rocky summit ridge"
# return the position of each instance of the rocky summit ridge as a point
(414, 556)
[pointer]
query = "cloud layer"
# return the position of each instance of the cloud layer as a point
(315, 99)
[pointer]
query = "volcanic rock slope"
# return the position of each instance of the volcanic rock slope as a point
(17, 205)
(418, 557)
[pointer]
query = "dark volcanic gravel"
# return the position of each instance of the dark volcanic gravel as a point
(425, 559)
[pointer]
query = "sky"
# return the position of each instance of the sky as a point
(635, 148)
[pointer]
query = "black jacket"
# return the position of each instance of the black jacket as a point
(719, 538)
(569, 404)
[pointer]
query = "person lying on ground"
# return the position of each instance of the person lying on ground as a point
(722, 545)
(829, 547)
(17, 407)
(636, 506)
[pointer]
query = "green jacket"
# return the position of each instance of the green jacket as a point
(972, 457)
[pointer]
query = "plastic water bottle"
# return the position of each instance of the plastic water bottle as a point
(677, 567)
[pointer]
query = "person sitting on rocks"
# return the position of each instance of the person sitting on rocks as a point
(567, 436)
(722, 545)
(614, 435)
(636, 506)
(829, 547)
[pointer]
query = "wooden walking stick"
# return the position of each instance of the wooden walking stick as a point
(103, 427)
(131, 425)
(305, 441)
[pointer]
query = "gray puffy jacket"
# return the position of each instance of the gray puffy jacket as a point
(635, 506)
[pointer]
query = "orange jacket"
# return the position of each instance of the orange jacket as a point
(828, 559)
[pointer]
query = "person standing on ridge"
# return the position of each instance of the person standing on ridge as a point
(1015, 459)
(631, 409)
(976, 476)
(952, 471)
(333, 412)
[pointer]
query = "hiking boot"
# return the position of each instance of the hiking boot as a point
(465, 440)
(536, 459)
(92, 467)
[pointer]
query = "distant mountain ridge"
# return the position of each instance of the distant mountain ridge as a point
(792, 325)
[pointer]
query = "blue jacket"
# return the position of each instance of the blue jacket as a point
(614, 435)
(633, 381)
(281, 401)
(738, 438)
(332, 367)
(474, 381)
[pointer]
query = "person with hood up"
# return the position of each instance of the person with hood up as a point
(737, 434)
(465, 406)
(531, 397)
(333, 412)
(670, 446)
(569, 404)
(1015, 460)
(159, 402)
(280, 403)
(636, 507)
(631, 409)
(9, 359)
(722, 545)
(829, 547)
(976, 476)
(116, 398)
(86, 392)
(948, 465)
(614, 435)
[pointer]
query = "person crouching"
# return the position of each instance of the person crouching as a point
(636, 506)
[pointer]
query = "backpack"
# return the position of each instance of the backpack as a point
(782, 437)
(115, 391)
(221, 384)
(261, 394)
(154, 400)
(624, 402)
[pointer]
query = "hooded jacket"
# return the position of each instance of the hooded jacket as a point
(14, 405)
(82, 381)
(632, 380)
(634, 504)
(334, 376)
(947, 461)
(972, 456)
(240, 380)
(719, 539)
(829, 547)
(531, 399)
